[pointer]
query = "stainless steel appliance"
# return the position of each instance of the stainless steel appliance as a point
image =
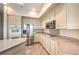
(51, 25)
(28, 31)
(14, 32)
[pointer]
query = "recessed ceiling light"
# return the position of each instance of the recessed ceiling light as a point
(33, 13)
(5, 3)
(33, 9)
(20, 3)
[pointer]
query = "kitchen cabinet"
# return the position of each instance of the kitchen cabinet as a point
(36, 37)
(67, 16)
(52, 15)
(60, 15)
(50, 44)
(14, 20)
(41, 40)
(47, 44)
(14, 25)
(45, 41)
(18, 20)
(54, 46)
(34, 21)
(73, 16)
(11, 20)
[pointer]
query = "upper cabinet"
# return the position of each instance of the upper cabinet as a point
(14, 20)
(72, 16)
(52, 15)
(60, 14)
(11, 20)
(18, 20)
(14, 26)
(67, 16)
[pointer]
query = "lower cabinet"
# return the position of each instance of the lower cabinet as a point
(49, 44)
(53, 47)
(36, 38)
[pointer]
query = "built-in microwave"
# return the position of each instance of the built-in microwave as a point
(51, 25)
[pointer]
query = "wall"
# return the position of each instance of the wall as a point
(5, 23)
(1, 27)
(34, 21)
(1, 21)
(65, 32)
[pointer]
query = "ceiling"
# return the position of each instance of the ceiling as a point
(27, 9)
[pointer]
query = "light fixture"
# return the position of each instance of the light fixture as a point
(20, 3)
(33, 9)
(5, 3)
(33, 13)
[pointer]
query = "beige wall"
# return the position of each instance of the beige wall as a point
(65, 32)
(34, 21)
(5, 23)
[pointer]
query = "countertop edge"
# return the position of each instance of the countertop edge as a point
(13, 45)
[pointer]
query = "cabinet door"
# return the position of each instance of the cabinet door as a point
(73, 16)
(46, 43)
(48, 46)
(53, 47)
(18, 20)
(52, 15)
(36, 37)
(11, 20)
(61, 16)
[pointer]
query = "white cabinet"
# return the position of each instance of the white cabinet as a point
(18, 20)
(52, 15)
(11, 20)
(33, 21)
(61, 16)
(50, 44)
(14, 23)
(47, 44)
(14, 20)
(73, 16)
(36, 37)
(67, 16)
(54, 46)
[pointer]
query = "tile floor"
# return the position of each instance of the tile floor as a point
(35, 49)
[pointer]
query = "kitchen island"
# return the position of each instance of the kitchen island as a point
(12, 46)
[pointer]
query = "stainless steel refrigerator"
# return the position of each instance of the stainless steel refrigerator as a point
(28, 31)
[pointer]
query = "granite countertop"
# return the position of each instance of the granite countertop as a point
(8, 43)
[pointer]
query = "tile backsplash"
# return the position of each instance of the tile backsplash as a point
(74, 33)
(52, 31)
(55, 31)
